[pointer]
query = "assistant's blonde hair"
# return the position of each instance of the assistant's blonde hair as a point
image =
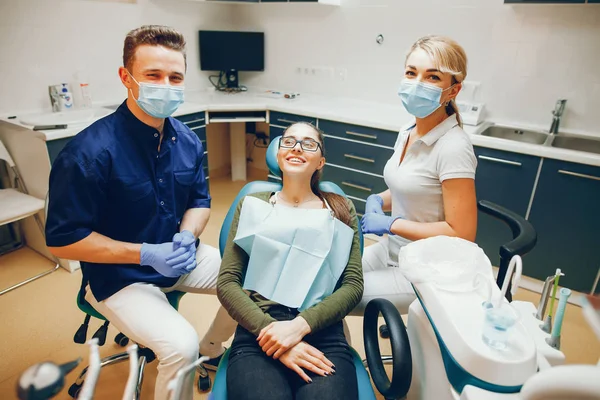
(449, 57)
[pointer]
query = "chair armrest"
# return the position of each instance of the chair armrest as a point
(524, 235)
(401, 355)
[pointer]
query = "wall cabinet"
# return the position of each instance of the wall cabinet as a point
(545, 1)
(566, 215)
(507, 179)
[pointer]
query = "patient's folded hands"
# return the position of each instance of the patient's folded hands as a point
(302, 357)
(278, 337)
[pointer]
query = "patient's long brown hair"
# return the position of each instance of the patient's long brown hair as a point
(338, 203)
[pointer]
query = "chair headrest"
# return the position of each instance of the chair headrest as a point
(271, 157)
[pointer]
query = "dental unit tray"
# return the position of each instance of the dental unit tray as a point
(457, 319)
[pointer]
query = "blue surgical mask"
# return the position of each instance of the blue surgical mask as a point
(158, 101)
(420, 99)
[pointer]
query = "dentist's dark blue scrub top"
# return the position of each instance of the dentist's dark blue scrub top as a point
(111, 179)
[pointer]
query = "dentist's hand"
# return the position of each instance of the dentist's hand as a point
(377, 223)
(158, 255)
(374, 204)
(184, 240)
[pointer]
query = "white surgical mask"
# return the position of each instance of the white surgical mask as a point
(420, 99)
(158, 101)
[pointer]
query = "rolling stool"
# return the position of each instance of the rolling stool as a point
(145, 355)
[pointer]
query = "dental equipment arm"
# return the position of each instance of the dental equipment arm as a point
(175, 384)
(132, 380)
(87, 391)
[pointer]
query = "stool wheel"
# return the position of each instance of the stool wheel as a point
(121, 340)
(384, 332)
(204, 383)
(74, 390)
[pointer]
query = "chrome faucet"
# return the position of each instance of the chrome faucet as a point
(559, 108)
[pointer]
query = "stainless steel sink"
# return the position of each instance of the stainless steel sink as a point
(516, 134)
(572, 142)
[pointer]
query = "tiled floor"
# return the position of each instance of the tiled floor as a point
(39, 319)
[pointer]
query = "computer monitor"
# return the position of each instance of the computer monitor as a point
(229, 52)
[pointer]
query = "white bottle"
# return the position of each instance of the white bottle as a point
(66, 98)
(84, 88)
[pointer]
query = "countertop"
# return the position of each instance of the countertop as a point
(352, 111)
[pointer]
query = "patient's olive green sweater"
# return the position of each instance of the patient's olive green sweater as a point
(251, 310)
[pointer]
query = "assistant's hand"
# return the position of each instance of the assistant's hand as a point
(157, 256)
(278, 337)
(377, 223)
(187, 241)
(304, 356)
(374, 204)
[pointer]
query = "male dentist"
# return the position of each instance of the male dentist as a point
(128, 198)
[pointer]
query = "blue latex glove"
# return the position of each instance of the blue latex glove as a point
(187, 241)
(374, 204)
(156, 255)
(377, 223)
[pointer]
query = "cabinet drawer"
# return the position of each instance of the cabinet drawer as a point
(505, 178)
(285, 119)
(205, 165)
(353, 183)
(201, 133)
(275, 131)
(55, 147)
(357, 155)
(359, 204)
(359, 133)
(193, 120)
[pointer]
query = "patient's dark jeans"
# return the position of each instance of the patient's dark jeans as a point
(252, 375)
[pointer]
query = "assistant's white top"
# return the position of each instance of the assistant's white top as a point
(443, 153)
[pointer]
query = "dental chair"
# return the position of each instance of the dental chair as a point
(401, 356)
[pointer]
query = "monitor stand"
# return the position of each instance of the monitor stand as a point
(232, 79)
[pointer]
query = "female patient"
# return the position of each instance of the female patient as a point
(290, 273)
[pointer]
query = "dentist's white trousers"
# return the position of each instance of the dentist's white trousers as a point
(141, 312)
(383, 279)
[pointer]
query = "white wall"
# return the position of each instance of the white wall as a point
(526, 57)
(44, 42)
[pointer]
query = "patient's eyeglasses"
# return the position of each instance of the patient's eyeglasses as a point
(289, 142)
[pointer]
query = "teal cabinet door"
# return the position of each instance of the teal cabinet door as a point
(566, 215)
(55, 147)
(507, 179)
